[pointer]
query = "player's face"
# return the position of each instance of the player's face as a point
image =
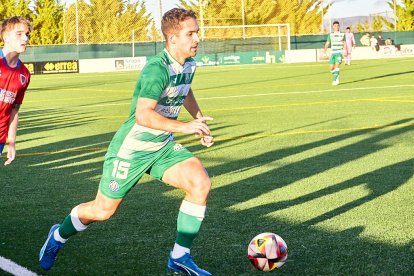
(187, 38)
(336, 27)
(17, 38)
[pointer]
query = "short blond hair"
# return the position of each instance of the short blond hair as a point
(9, 23)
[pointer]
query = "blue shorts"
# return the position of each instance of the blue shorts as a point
(1, 148)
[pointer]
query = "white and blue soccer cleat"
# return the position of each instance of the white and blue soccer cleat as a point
(336, 82)
(185, 264)
(50, 249)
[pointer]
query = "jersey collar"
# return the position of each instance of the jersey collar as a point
(174, 62)
(5, 61)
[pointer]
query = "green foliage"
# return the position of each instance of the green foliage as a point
(405, 16)
(364, 27)
(99, 21)
(47, 23)
(155, 34)
(305, 19)
(135, 19)
(71, 20)
(377, 24)
(107, 21)
(22, 9)
(9, 8)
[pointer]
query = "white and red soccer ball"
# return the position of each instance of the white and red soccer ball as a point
(267, 251)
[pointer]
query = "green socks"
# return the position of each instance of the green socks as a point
(71, 225)
(335, 73)
(189, 222)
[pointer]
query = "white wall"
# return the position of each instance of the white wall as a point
(111, 64)
(358, 53)
(293, 56)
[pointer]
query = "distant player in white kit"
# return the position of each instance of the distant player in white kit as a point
(350, 44)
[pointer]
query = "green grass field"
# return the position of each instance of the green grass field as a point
(330, 169)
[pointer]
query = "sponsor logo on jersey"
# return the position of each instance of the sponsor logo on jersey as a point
(174, 101)
(170, 111)
(23, 79)
(7, 96)
(113, 186)
(178, 147)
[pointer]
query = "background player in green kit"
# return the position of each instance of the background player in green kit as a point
(338, 45)
(144, 144)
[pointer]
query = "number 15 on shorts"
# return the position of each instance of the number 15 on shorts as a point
(120, 170)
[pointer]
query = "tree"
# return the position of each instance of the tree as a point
(304, 16)
(404, 15)
(362, 27)
(134, 19)
(47, 23)
(22, 9)
(9, 8)
(155, 34)
(77, 30)
(103, 21)
(377, 24)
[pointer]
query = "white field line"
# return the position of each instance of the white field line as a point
(307, 92)
(13, 268)
(249, 95)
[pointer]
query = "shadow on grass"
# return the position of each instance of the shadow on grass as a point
(84, 82)
(380, 76)
(40, 190)
(305, 168)
(265, 78)
(51, 119)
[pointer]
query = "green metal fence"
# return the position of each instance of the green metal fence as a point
(91, 51)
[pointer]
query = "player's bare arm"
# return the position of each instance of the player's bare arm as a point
(192, 107)
(147, 116)
(13, 122)
(326, 46)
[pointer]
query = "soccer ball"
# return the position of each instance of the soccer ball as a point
(267, 251)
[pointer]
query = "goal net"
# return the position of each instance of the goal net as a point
(241, 38)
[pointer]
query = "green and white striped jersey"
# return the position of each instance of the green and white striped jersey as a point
(336, 40)
(162, 79)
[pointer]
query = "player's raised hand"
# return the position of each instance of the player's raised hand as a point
(198, 127)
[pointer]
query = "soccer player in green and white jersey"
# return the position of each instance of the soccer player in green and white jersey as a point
(145, 144)
(338, 48)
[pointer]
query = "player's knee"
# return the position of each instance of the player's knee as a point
(102, 215)
(201, 186)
